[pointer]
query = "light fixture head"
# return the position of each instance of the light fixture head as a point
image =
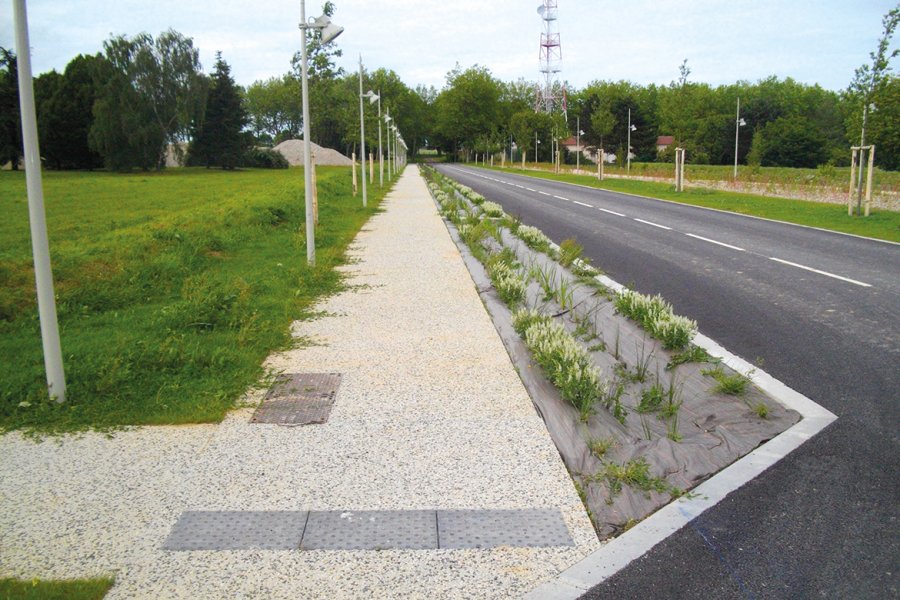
(580, 132)
(633, 128)
(742, 122)
(329, 29)
(372, 96)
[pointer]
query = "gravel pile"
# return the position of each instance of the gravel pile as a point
(292, 150)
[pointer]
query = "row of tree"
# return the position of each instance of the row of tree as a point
(127, 107)
(124, 108)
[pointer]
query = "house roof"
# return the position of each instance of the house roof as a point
(570, 141)
(665, 140)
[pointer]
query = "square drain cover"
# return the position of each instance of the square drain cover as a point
(299, 399)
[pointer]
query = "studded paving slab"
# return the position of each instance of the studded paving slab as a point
(367, 530)
(430, 414)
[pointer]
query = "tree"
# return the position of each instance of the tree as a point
(467, 108)
(64, 106)
(790, 142)
(875, 85)
(275, 108)
(218, 138)
(10, 125)
(152, 96)
(602, 123)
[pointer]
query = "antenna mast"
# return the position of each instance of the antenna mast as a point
(550, 57)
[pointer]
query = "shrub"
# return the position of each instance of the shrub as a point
(265, 158)
(534, 238)
(563, 360)
(492, 209)
(655, 315)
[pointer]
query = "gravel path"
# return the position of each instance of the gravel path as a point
(430, 415)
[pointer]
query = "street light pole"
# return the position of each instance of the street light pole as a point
(362, 131)
(738, 123)
(40, 244)
(628, 149)
(329, 32)
(307, 149)
(536, 142)
(380, 155)
(578, 143)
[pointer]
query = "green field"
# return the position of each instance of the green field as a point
(88, 589)
(172, 288)
(881, 224)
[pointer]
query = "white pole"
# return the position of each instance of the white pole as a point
(40, 244)
(380, 155)
(737, 129)
(578, 143)
(307, 148)
(388, 143)
(628, 149)
(362, 132)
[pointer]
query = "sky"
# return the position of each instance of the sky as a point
(644, 41)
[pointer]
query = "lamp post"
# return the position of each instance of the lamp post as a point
(380, 155)
(329, 32)
(738, 123)
(362, 131)
(628, 149)
(37, 218)
(578, 134)
(387, 121)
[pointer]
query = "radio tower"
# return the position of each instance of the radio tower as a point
(550, 57)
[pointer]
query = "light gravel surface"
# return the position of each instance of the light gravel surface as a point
(430, 414)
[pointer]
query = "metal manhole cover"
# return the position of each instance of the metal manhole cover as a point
(299, 399)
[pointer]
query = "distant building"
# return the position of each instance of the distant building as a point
(663, 142)
(571, 144)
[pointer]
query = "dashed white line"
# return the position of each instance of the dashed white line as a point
(583, 204)
(521, 187)
(825, 273)
(560, 198)
(530, 190)
(654, 224)
(715, 242)
(544, 193)
(612, 212)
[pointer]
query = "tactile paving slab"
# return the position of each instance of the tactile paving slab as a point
(370, 530)
(535, 527)
(299, 399)
(237, 530)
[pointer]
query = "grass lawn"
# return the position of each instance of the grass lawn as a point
(172, 288)
(75, 589)
(881, 224)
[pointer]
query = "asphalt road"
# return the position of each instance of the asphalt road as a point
(821, 311)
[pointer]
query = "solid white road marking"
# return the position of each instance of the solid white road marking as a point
(825, 273)
(654, 224)
(582, 204)
(612, 212)
(715, 242)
